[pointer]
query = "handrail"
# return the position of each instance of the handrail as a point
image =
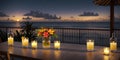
(105, 29)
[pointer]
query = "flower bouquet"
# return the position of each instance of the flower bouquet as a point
(46, 34)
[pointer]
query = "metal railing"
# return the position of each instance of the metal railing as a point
(79, 36)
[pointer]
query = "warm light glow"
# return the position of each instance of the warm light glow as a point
(18, 19)
(10, 49)
(113, 46)
(45, 44)
(57, 54)
(22, 37)
(34, 44)
(106, 51)
(106, 57)
(10, 40)
(25, 52)
(57, 44)
(34, 52)
(25, 42)
(85, 18)
(90, 45)
(90, 55)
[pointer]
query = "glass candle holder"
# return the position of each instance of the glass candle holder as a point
(106, 51)
(25, 42)
(10, 41)
(57, 44)
(34, 44)
(90, 45)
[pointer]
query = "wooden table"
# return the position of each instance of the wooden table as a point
(67, 52)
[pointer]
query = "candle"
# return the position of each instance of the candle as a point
(113, 46)
(90, 45)
(106, 51)
(57, 44)
(25, 42)
(34, 44)
(10, 40)
(22, 37)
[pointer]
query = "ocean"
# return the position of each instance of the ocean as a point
(63, 24)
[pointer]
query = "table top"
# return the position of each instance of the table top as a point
(66, 52)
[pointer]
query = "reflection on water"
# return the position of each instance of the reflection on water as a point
(57, 54)
(90, 56)
(10, 49)
(106, 57)
(34, 52)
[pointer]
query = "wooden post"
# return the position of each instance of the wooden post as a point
(111, 17)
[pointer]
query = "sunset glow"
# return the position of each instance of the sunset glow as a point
(79, 10)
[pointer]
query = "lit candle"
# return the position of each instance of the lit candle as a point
(113, 46)
(34, 44)
(57, 44)
(106, 51)
(25, 42)
(10, 40)
(22, 37)
(90, 45)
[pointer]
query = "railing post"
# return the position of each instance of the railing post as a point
(6, 33)
(79, 35)
(63, 35)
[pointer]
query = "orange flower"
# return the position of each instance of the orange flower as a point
(51, 31)
(39, 33)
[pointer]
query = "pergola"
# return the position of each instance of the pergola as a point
(110, 3)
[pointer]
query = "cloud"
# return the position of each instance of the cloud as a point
(89, 14)
(41, 15)
(3, 14)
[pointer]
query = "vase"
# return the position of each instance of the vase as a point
(46, 42)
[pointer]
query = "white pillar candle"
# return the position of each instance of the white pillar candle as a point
(113, 46)
(25, 42)
(90, 45)
(106, 51)
(10, 40)
(57, 44)
(34, 44)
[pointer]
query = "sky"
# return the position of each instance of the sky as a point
(66, 9)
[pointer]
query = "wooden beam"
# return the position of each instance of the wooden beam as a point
(111, 17)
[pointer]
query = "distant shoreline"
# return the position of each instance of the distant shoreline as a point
(51, 21)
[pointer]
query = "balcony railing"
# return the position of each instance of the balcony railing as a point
(79, 36)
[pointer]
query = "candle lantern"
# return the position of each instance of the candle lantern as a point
(25, 42)
(34, 44)
(10, 41)
(113, 43)
(57, 44)
(106, 51)
(90, 45)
